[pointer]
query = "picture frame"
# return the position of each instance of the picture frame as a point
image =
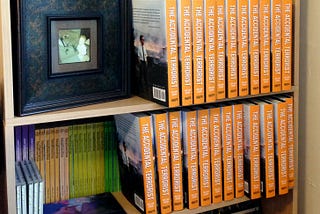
(44, 78)
(73, 44)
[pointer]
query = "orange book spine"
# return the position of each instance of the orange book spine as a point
(48, 175)
(238, 149)
(243, 47)
(160, 121)
(145, 124)
(216, 155)
(185, 51)
(254, 51)
(276, 40)
(52, 165)
(198, 51)
(204, 157)
(57, 181)
(231, 46)
(37, 147)
(221, 50)
(290, 116)
(287, 35)
(227, 157)
(176, 159)
(172, 47)
(265, 34)
(191, 155)
(210, 50)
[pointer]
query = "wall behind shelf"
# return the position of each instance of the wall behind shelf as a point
(309, 115)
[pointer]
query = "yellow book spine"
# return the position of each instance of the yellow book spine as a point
(65, 137)
(57, 181)
(148, 164)
(269, 150)
(276, 40)
(185, 52)
(198, 51)
(228, 176)
(287, 35)
(290, 116)
(221, 50)
(204, 157)
(216, 155)
(172, 42)
(48, 175)
(37, 147)
(265, 49)
(238, 149)
(163, 163)
(232, 49)
(62, 164)
(53, 177)
(176, 159)
(254, 53)
(243, 47)
(210, 50)
(42, 152)
(255, 151)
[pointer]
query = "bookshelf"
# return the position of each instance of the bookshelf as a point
(282, 204)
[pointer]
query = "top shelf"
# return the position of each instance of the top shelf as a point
(133, 104)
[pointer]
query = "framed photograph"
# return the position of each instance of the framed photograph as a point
(74, 45)
(69, 53)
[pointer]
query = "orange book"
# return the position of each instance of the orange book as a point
(204, 156)
(243, 46)
(254, 54)
(252, 150)
(160, 129)
(221, 50)
(198, 51)
(265, 25)
(227, 152)
(210, 50)
(175, 132)
(42, 152)
(216, 155)
(231, 46)
(190, 155)
(281, 148)
(185, 50)
(267, 149)
(276, 40)
(287, 37)
(238, 157)
(37, 147)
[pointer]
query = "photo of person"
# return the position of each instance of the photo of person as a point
(142, 61)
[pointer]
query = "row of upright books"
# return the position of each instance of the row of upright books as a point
(29, 188)
(74, 160)
(197, 156)
(197, 51)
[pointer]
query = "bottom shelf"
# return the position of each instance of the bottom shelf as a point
(129, 208)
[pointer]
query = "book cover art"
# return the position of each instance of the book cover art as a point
(254, 51)
(137, 160)
(190, 158)
(276, 41)
(227, 152)
(221, 50)
(252, 150)
(156, 51)
(185, 51)
(204, 156)
(265, 48)
(101, 203)
(267, 168)
(175, 132)
(198, 51)
(243, 46)
(287, 41)
(238, 154)
(216, 154)
(161, 135)
(210, 28)
(232, 48)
